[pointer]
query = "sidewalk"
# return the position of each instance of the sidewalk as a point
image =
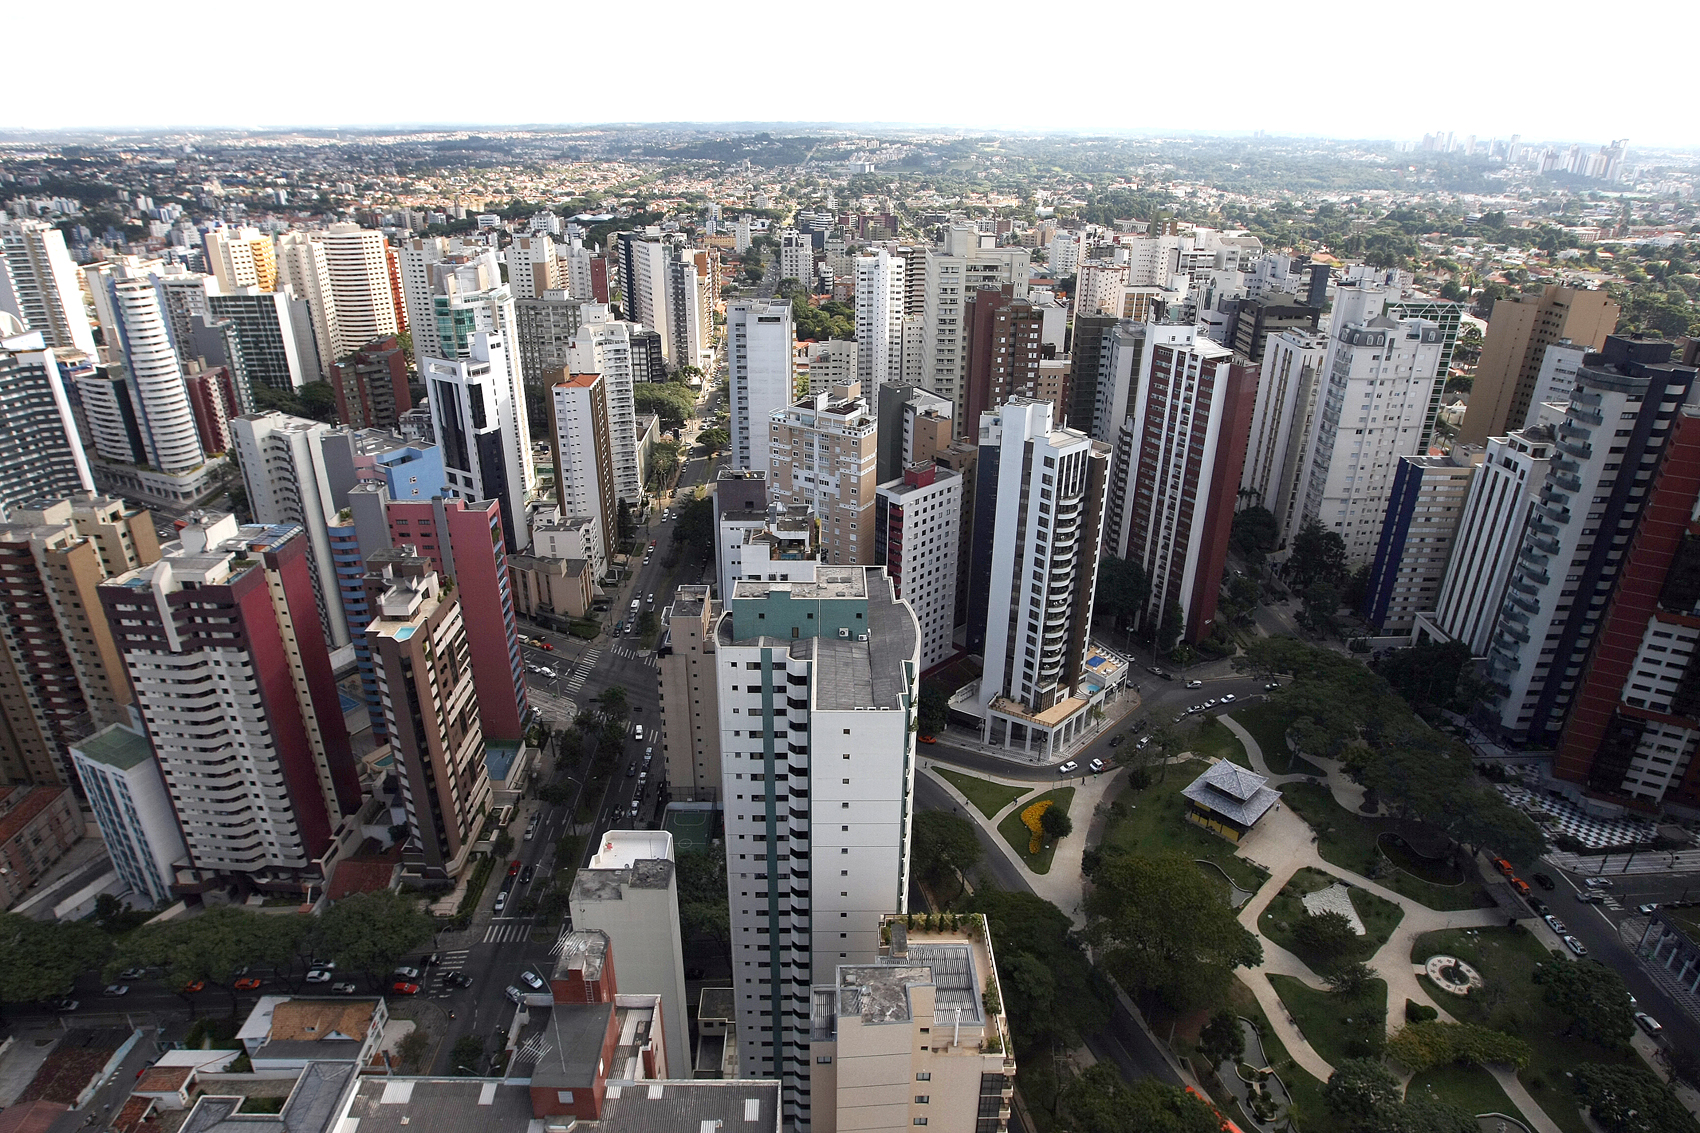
(1115, 711)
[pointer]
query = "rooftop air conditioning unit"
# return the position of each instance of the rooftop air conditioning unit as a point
(861, 637)
(844, 632)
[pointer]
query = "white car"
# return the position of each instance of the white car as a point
(1555, 924)
(1649, 1024)
(1227, 698)
(323, 974)
(1597, 882)
(1195, 684)
(1068, 768)
(531, 978)
(1575, 946)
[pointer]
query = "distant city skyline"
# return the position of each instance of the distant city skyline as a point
(1523, 56)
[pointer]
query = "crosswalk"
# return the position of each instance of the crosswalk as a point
(585, 664)
(506, 932)
(447, 962)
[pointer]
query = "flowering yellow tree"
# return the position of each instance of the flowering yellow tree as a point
(1031, 818)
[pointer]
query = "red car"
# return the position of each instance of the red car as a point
(546, 647)
(402, 987)
(247, 983)
(513, 867)
(193, 986)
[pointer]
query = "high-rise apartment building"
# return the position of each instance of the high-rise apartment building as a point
(879, 319)
(1637, 719)
(233, 683)
(1256, 319)
(41, 449)
(913, 425)
(534, 266)
(478, 428)
(759, 359)
(606, 347)
(690, 704)
(583, 269)
(1176, 480)
(212, 398)
(690, 325)
(270, 336)
(797, 257)
(371, 385)
(360, 284)
(584, 465)
(1374, 405)
(1098, 289)
(1103, 361)
(1423, 513)
(469, 299)
(1512, 472)
(953, 275)
(1005, 354)
(413, 263)
(917, 539)
(817, 692)
(418, 643)
(157, 401)
(242, 257)
(1286, 393)
(39, 285)
(545, 327)
(911, 1038)
(60, 675)
(1039, 518)
(823, 455)
(283, 470)
(127, 795)
(304, 269)
(465, 544)
(1519, 332)
(642, 261)
(630, 891)
(1607, 449)
(740, 507)
(1557, 377)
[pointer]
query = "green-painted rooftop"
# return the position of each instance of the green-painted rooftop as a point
(116, 746)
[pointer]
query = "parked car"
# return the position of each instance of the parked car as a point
(132, 973)
(1502, 866)
(1227, 698)
(248, 983)
(525, 875)
(321, 975)
(403, 987)
(65, 1005)
(1195, 684)
(346, 987)
(411, 974)
(1097, 765)
(1544, 882)
(1575, 946)
(532, 980)
(1271, 686)
(501, 900)
(1647, 909)
(1649, 1024)
(193, 986)
(1068, 768)
(513, 867)
(513, 993)
(117, 989)
(1555, 924)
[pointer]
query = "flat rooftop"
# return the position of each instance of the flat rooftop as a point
(456, 1105)
(117, 747)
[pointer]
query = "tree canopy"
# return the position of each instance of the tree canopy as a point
(1121, 592)
(1255, 533)
(372, 932)
(1164, 928)
(1100, 1101)
(1593, 996)
(1423, 1046)
(1319, 555)
(40, 959)
(1631, 1099)
(943, 846)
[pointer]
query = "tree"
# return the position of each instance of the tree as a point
(372, 932)
(1055, 823)
(703, 910)
(670, 401)
(1100, 1101)
(693, 529)
(1238, 599)
(1222, 1039)
(1593, 996)
(413, 1049)
(1423, 1046)
(613, 702)
(1321, 603)
(1165, 928)
(1427, 674)
(1349, 980)
(40, 959)
(1318, 555)
(1052, 994)
(1254, 534)
(212, 946)
(1121, 591)
(1325, 937)
(945, 848)
(467, 1055)
(1360, 1089)
(714, 439)
(1169, 630)
(932, 714)
(624, 522)
(1631, 1099)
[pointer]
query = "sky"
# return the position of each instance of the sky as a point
(1379, 71)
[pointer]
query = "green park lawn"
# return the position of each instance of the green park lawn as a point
(1015, 831)
(1470, 1087)
(1510, 1001)
(988, 797)
(1211, 738)
(1337, 1027)
(1152, 821)
(1379, 915)
(1349, 841)
(1268, 726)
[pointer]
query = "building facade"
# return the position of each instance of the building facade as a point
(41, 449)
(759, 357)
(822, 454)
(690, 704)
(1519, 332)
(584, 464)
(127, 795)
(917, 539)
(1423, 513)
(478, 428)
(39, 284)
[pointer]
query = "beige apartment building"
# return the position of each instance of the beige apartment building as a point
(690, 704)
(824, 454)
(916, 1038)
(1519, 332)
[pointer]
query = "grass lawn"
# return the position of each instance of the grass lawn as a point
(1212, 738)
(988, 797)
(1468, 1086)
(1306, 1091)
(1511, 1002)
(1380, 917)
(1151, 821)
(1337, 1028)
(1268, 726)
(1015, 831)
(1349, 840)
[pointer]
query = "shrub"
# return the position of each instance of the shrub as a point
(1419, 1012)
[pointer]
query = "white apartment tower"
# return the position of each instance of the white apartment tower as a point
(584, 467)
(1374, 410)
(167, 423)
(817, 688)
(759, 361)
(131, 806)
(1511, 473)
(918, 538)
(241, 257)
(360, 284)
(468, 298)
(605, 347)
(953, 275)
(39, 284)
(415, 258)
(283, 469)
(1285, 393)
(533, 266)
(478, 428)
(797, 257)
(1557, 376)
(879, 320)
(304, 269)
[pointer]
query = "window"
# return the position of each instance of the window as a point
(920, 1121)
(923, 1099)
(923, 1076)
